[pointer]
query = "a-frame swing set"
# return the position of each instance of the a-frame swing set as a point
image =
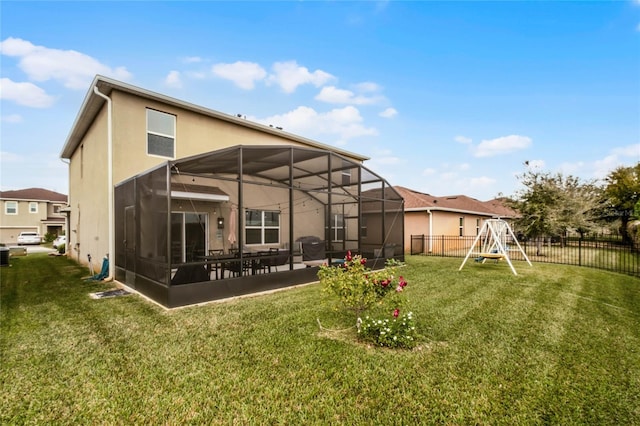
(494, 234)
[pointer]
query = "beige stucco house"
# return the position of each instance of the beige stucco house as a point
(191, 181)
(33, 209)
(450, 216)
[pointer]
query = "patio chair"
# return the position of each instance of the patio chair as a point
(213, 264)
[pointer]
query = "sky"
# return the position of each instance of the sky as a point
(444, 97)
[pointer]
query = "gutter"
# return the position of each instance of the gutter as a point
(109, 181)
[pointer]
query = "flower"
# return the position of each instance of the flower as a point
(402, 282)
(363, 261)
(396, 312)
(399, 288)
(348, 258)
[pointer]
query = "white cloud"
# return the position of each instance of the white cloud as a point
(388, 113)
(631, 151)
(289, 75)
(242, 74)
(192, 59)
(368, 86)
(599, 169)
(73, 69)
(463, 139)
(345, 123)
(12, 118)
(567, 168)
(618, 156)
(173, 79)
(27, 94)
(464, 166)
(502, 145)
(332, 94)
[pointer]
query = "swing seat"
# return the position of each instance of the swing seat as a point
(484, 256)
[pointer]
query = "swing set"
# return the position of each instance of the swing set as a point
(494, 238)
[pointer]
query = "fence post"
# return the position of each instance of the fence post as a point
(580, 251)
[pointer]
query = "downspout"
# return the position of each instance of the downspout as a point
(67, 217)
(109, 182)
(430, 230)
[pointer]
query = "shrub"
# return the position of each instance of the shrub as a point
(49, 237)
(61, 248)
(396, 332)
(360, 289)
(357, 287)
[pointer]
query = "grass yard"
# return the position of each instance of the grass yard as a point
(555, 344)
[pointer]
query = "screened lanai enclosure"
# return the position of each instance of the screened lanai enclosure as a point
(250, 218)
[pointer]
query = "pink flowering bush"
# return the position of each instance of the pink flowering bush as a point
(359, 289)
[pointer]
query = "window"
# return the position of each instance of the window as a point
(461, 233)
(262, 227)
(346, 178)
(33, 207)
(363, 227)
(337, 227)
(56, 208)
(161, 133)
(11, 207)
(477, 226)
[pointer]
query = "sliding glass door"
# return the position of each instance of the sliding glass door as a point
(188, 236)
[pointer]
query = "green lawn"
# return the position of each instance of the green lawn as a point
(555, 344)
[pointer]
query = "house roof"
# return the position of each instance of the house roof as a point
(92, 105)
(420, 201)
(33, 194)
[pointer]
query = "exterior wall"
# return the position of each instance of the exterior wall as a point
(88, 174)
(195, 134)
(11, 225)
(309, 216)
(88, 202)
(443, 223)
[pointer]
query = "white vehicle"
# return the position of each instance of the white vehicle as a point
(60, 240)
(29, 238)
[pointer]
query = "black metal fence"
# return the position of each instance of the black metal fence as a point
(597, 251)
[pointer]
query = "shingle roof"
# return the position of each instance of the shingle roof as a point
(38, 194)
(414, 200)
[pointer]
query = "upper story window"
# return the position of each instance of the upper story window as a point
(477, 226)
(262, 227)
(33, 207)
(461, 233)
(161, 134)
(56, 208)
(10, 207)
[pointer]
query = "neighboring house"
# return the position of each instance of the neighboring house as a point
(32, 209)
(158, 183)
(456, 215)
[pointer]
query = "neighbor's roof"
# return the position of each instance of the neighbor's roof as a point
(92, 105)
(420, 201)
(33, 194)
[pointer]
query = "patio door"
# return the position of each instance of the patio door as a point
(188, 236)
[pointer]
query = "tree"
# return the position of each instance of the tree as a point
(621, 195)
(552, 205)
